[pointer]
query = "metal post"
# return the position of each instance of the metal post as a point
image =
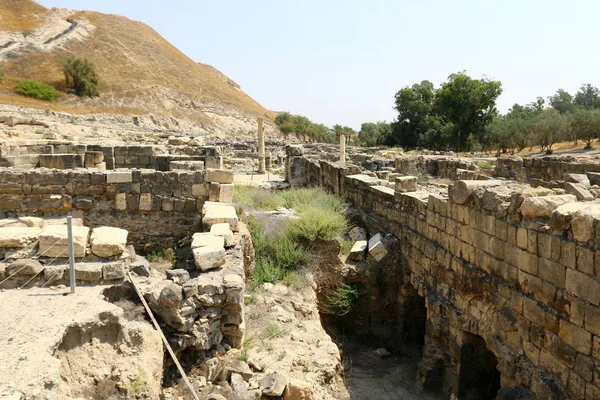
(71, 253)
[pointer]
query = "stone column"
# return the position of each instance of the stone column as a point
(268, 160)
(343, 149)
(261, 148)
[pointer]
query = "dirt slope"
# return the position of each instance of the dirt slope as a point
(140, 72)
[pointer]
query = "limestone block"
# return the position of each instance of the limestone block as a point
(207, 239)
(226, 193)
(273, 384)
(25, 267)
(121, 201)
(17, 237)
(406, 184)
(298, 390)
(92, 158)
(583, 222)
(460, 192)
(377, 249)
(101, 166)
(200, 190)
(582, 179)
(113, 270)
(32, 222)
(208, 257)
(357, 253)
(357, 233)
(54, 241)
(224, 231)
(219, 175)
(535, 192)
(89, 272)
(578, 191)
(107, 241)
(145, 202)
(542, 207)
(55, 272)
(215, 213)
(119, 176)
(562, 216)
(179, 276)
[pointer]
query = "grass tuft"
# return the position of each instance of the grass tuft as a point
(342, 301)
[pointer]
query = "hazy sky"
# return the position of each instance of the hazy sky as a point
(342, 61)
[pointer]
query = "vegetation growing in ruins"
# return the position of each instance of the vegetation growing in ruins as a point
(280, 250)
(167, 255)
(342, 300)
(37, 90)
(80, 76)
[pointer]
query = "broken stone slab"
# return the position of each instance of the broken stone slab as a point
(179, 276)
(18, 237)
(89, 272)
(578, 191)
(54, 241)
(238, 367)
(357, 233)
(209, 257)
(578, 178)
(25, 267)
(298, 390)
(406, 184)
(217, 213)
(542, 207)
(140, 266)
(239, 385)
(55, 272)
(219, 175)
(460, 192)
(358, 251)
(224, 231)
(377, 249)
(108, 242)
(584, 221)
(207, 239)
(226, 193)
(273, 384)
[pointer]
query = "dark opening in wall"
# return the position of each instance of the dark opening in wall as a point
(415, 321)
(479, 378)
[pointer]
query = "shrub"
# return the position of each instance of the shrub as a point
(266, 271)
(486, 165)
(295, 280)
(37, 90)
(167, 255)
(80, 76)
(318, 223)
(342, 300)
(287, 253)
(346, 246)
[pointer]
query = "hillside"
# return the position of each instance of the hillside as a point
(140, 72)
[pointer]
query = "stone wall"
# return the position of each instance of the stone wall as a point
(488, 269)
(441, 166)
(157, 208)
(546, 171)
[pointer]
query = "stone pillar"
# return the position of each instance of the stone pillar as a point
(268, 160)
(261, 148)
(343, 149)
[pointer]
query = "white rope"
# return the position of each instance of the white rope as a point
(32, 278)
(33, 258)
(53, 276)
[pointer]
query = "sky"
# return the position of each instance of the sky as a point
(342, 61)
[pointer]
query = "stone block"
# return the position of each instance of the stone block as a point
(577, 338)
(406, 184)
(200, 190)
(215, 213)
(460, 192)
(112, 271)
(108, 242)
(357, 234)
(214, 190)
(226, 193)
(55, 272)
(578, 191)
(25, 267)
(542, 207)
(377, 249)
(358, 251)
(119, 176)
(208, 239)
(121, 201)
(89, 272)
(145, 202)
(219, 175)
(53, 241)
(18, 237)
(92, 158)
(224, 231)
(207, 258)
(584, 221)
(581, 179)
(583, 286)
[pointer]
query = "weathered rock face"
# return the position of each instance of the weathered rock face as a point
(504, 275)
(54, 241)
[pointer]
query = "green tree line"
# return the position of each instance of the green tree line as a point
(308, 131)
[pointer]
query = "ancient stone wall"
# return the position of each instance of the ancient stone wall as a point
(155, 207)
(543, 171)
(441, 166)
(486, 269)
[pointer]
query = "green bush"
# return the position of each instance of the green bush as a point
(80, 76)
(342, 300)
(346, 246)
(486, 165)
(318, 223)
(266, 271)
(295, 280)
(37, 90)
(287, 253)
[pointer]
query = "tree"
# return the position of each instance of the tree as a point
(587, 97)
(586, 125)
(415, 106)
(80, 76)
(469, 104)
(562, 101)
(550, 127)
(302, 126)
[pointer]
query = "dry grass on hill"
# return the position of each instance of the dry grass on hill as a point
(20, 15)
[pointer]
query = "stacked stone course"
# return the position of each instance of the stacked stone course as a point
(526, 286)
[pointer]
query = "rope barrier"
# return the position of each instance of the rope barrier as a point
(33, 258)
